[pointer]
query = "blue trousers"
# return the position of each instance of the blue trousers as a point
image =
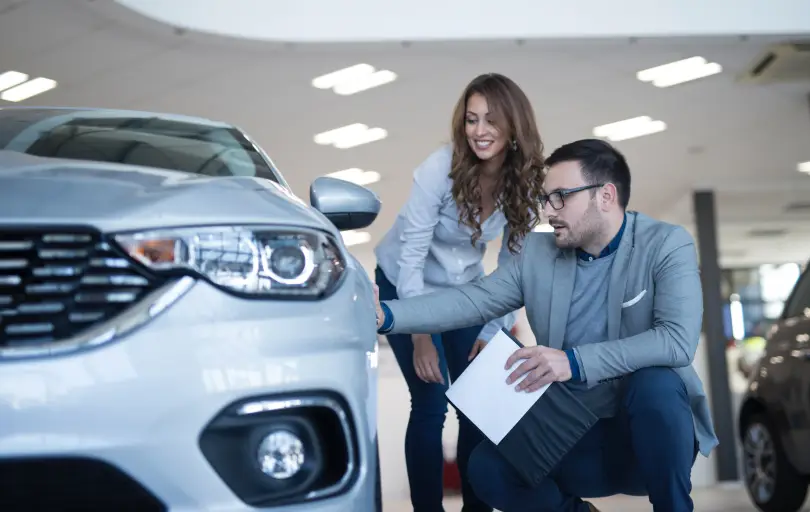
(648, 449)
(424, 457)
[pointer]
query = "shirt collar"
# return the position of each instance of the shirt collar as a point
(611, 247)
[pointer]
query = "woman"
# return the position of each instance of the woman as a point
(486, 182)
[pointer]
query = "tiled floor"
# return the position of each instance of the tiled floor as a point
(727, 498)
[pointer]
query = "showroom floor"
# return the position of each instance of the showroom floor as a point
(727, 498)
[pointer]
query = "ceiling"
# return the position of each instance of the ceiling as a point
(742, 140)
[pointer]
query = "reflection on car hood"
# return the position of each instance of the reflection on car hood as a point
(115, 197)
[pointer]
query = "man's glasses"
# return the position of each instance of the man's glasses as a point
(557, 198)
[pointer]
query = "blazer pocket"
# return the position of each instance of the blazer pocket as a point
(635, 299)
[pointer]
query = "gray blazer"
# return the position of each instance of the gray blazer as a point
(655, 300)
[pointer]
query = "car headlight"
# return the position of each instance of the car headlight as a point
(250, 260)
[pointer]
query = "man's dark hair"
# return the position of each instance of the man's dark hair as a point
(601, 163)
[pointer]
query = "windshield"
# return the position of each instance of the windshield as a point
(149, 140)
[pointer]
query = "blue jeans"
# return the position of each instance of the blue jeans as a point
(648, 449)
(424, 457)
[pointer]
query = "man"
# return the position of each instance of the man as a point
(615, 302)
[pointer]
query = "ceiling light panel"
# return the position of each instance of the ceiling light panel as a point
(354, 79)
(28, 89)
(10, 79)
(804, 167)
(350, 136)
(630, 128)
(344, 75)
(679, 72)
(356, 176)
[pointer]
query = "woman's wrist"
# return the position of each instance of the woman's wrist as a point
(421, 338)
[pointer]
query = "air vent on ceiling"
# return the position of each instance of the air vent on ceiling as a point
(766, 233)
(798, 207)
(780, 63)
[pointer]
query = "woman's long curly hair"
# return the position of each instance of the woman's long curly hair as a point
(520, 181)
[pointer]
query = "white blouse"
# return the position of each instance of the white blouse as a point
(427, 248)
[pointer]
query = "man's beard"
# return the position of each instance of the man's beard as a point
(574, 237)
(567, 239)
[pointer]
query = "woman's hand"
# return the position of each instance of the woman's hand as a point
(426, 359)
(478, 347)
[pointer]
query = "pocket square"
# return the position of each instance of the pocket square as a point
(634, 300)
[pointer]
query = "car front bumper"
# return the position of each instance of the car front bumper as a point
(142, 403)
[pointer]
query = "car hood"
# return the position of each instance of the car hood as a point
(113, 197)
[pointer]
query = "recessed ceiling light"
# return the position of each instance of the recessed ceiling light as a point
(374, 80)
(28, 89)
(332, 79)
(629, 128)
(350, 136)
(679, 72)
(543, 228)
(357, 176)
(804, 167)
(352, 237)
(354, 79)
(11, 78)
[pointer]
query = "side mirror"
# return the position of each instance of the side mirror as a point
(347, 205)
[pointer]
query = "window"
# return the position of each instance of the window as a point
(147, 140)
(799, 303)
(757, 296)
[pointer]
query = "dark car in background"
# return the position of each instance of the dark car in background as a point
(774, 420)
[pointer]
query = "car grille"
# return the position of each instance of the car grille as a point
(55, 283)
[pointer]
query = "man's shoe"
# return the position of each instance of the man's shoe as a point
(591, 508)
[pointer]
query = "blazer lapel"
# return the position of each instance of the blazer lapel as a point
(618, 279)
(561, 291)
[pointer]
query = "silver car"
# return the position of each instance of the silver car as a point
(178, 330)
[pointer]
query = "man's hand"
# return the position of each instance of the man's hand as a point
(477, 347)
(541, 365)
(378, 308)
(426, 359)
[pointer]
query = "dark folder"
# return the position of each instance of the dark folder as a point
(538, 440)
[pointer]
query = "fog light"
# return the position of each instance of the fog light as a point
(281, 454)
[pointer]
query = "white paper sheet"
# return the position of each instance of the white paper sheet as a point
(482, 394)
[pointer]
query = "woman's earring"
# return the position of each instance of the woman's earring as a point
(514, 145)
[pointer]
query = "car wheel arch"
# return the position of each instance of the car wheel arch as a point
(749, 408)
(755, 406)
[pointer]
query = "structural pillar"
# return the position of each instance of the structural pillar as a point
(722, 413)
